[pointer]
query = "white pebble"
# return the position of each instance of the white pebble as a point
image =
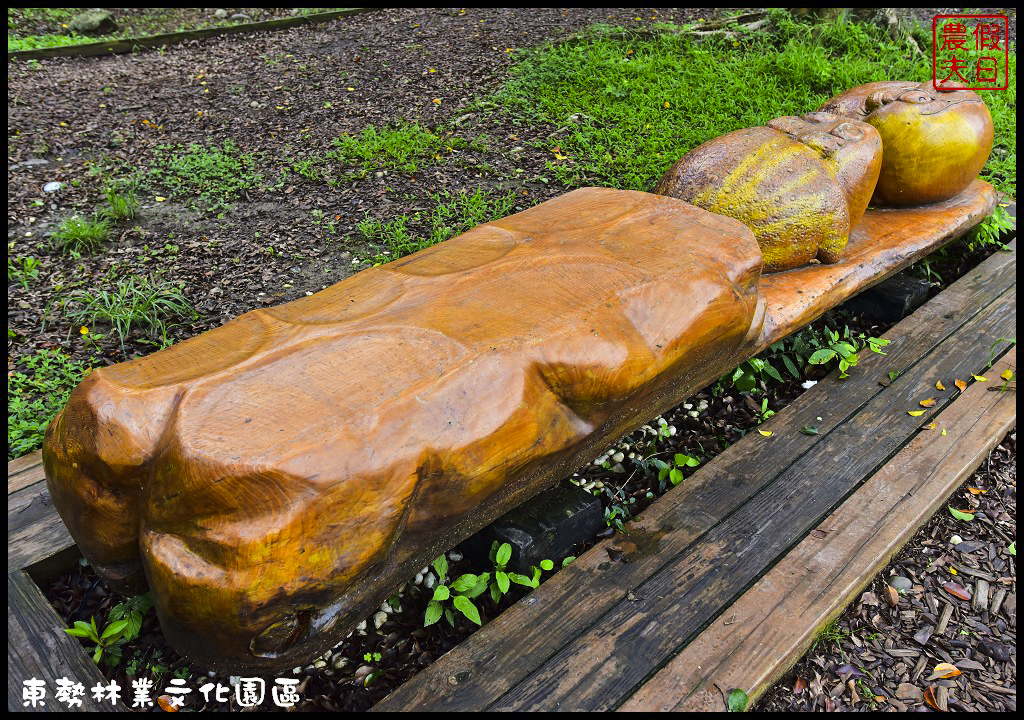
(687, 406)
(297, 670)
(429, 581)
(662, 421)
(379, 619)
(361, 626)
(693, 413)
(588, 486)
(424, 571)
(809, 384)
(955, 540)
(418, 579)
(702, 405)
(618, 457)
(386, 608)
(319, 664)
(340, 661)
(632, 455)
(454, 556)
(672, 430)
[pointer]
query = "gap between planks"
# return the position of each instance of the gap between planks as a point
(749, 648)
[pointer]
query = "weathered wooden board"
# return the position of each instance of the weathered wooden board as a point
(24, 471)
(38, 648)
(127, 45)
(498, 657)
(608, 661)
(763, 633)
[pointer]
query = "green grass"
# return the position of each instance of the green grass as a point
(131, 302)
(632, 105)
(401, 148)
(207, 177)
(79, 235)
(35, 394)
(122, 205)
(454, 213)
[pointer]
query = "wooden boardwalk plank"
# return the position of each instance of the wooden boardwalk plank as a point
(606, 663)
(38, 648)
(24, 471)
(761, 635)
(499, 656)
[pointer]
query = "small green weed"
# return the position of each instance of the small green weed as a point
(122, 205)
(453, 214)
(991, 228)
(21, 269)
(35, 394)
(124, 624)
(78, 235)
(211, 176)
(134, 301)
(397, 147)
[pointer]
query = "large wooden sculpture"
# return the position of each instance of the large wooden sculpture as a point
(800, 184)
(935, 142)
(274, 480)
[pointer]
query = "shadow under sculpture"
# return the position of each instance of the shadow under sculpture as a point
(274, 480)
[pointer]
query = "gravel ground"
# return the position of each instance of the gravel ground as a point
(276, 95)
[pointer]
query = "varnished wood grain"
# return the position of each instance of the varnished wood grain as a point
(763, 633)
(476, 673)
(275, 479)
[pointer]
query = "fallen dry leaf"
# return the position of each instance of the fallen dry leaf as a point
(939, 385)
(929, 697)
(956, 590)
(929, 426)
(164, 701)
(1006, 374)
(930, 402)
(799, 686)
(892, 596)
(960, 384)
(980, 378)
(766, 433)
(975, 491)
(944, 671)
(915, 413)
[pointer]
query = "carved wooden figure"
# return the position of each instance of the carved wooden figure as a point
(269, 477)
(800, 184)
(934, 142)
(274, 480)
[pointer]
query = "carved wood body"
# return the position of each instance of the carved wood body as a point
(800, 183)
(271, 478)
(934, 143)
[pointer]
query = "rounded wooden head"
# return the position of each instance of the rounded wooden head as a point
(934, 142)
(800, 183)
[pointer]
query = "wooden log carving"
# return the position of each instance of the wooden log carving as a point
(270, 479)
(801, 183)
(935, 142)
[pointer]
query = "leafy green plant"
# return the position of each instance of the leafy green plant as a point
(396, 147)
(35, 394)
(21, 269)
(845, 350)
(991, 228)
(133, 610)
(81, 235)
(672, 472)
(134, 301)
(212, 176)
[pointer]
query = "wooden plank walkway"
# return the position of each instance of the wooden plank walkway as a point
(595, 635)
(623, 614)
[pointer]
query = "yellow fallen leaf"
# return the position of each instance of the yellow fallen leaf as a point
(939, 385)
(960, 384)
(930, 402)
(1006, 374)
(437, 101)
(667, 104)
(915, 413)
(766, 433)
(929, 426)
(159, 199)
(975, 491)
(952, 571)
(944, 433)
(946, 670)
(980, 378)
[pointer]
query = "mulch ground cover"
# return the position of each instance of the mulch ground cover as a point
(937, 629)
(277, 96)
